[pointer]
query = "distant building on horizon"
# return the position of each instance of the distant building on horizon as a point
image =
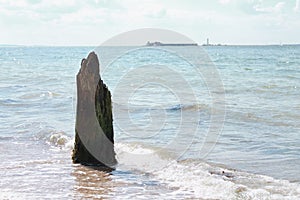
(208, 44)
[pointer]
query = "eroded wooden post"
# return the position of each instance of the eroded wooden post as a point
(94, 136)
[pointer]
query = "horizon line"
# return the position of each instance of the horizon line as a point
(217, 44)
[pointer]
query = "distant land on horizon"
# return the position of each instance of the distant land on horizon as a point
(170, 44)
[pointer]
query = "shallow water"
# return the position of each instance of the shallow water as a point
(258, 148)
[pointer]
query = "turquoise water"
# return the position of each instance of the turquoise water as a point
(258, 147)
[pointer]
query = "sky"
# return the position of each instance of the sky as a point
(91, 22)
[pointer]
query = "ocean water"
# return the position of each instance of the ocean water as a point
(161, 123)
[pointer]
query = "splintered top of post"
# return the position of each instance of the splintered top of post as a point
(90, 65)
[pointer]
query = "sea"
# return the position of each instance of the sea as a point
(190, 122)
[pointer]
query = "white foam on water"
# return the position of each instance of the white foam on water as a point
(197, 179)
(134, 156)
(200, 180)
(5, 195)
(60, 139)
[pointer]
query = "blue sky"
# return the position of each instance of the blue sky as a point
(91, 22)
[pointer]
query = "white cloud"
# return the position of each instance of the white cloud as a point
(225, 1)
(149, 9)
(71, 20)
(297, 6)
(273, 9)
(16, 3)
(64, 3)
(82, 16)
